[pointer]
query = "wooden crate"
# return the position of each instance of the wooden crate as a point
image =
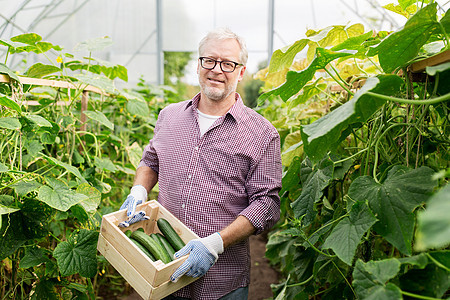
(149, 279)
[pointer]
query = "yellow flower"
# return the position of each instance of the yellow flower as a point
(59, 59)
(357, 167)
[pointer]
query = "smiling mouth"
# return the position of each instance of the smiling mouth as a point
(216, 81)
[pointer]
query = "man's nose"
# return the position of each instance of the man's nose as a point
(217, 68)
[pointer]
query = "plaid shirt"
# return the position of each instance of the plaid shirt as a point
(207, 181)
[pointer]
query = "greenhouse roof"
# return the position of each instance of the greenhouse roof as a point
(142, 30)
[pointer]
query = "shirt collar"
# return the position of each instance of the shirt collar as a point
(236, 111)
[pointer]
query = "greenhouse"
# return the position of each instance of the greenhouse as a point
(137, 162)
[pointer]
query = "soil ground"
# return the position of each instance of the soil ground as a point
(262, 275)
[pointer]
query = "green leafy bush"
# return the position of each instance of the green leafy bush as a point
(63, 166)
(365, 148)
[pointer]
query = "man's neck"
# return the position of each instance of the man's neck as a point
(216, 108)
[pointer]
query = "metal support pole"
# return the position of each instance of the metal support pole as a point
(84, 106)
(159, 42)
(271, 30)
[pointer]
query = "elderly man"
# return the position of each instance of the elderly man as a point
(218, 166)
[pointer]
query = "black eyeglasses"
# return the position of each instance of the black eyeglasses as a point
(225, 65)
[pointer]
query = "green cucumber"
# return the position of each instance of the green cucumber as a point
(157, 239)
(128, 233)
(172, 237)
(143, 249)
(151, 245)
(166, 244)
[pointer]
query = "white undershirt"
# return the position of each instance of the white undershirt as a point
(205, 121)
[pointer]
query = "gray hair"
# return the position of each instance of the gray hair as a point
(223, 34)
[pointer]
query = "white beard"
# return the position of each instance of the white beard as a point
(217, 94)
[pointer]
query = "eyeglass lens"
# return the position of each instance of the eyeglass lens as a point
(209, 63)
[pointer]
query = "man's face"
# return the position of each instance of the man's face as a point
(216, 84)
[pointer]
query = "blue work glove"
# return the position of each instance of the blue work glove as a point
(203, 254)
(138, 194)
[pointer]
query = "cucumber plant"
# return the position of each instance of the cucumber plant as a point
(59, 174)
(365, 149)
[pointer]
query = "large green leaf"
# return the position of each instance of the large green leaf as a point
(39, 120)
(432, 281)
(307, 93)
(31, 42)
(7, 210)
(5, 70)
(33, 257)
(10, 123)
(405, 3)
(6, 101)
(318, 177)
(326, 133)
(134, 153)
(99, 117)
(138, 108)
(95, 44)
(291, 179)
(292, 147)
(40, 70)
(433, 224)
(347, 234)
(66, 166)
(58, 195)
(13, 235)
(3, 168)
(94, 197)
(45, 288)
(283, 58)
(354, 43)
(402, 46)
(394, 201)
(78, 254)
(26, 224)
(100, 81)
(27, 38)
(104, 164)
(296, 80)
(445, 21)
(370, 279)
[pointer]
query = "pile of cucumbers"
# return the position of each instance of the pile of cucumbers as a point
(157, 246)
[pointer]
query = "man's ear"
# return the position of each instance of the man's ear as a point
(241, 73)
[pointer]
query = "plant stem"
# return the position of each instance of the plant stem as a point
(317, 250)
(311, 277)
(376, 66)
(350, 157)
(359, 68)
(376, 148)
(418, 296)
(301, 283)
(345, 278)
(90, 289)
(408, 101)
(338, 81)
(437, 263)
(328, 224)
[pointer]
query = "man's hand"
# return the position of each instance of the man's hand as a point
(138, 194)
(203, 254)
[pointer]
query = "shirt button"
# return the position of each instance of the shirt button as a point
(189, 176)
(183, 205)
(196, 148)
